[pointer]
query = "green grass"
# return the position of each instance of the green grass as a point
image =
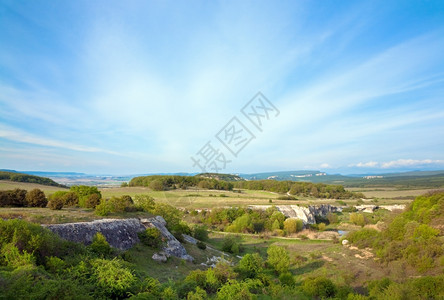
(174, 269)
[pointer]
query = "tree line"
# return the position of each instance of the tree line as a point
(318, 190)
(20, 177)
(168, 182)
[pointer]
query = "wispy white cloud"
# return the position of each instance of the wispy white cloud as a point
(399, 163)
(410, 162)
(24, 137)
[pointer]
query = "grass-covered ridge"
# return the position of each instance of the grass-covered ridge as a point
(20, 177)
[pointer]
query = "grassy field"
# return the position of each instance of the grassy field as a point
(390, 192)
(199, 199)
(10, 185)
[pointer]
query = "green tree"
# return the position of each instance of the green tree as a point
(251, 265)
(278, 259)
(83, 192)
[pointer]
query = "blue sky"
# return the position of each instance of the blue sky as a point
(124, 87)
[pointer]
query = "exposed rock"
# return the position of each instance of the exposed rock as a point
(173, 246)
(120, 234)
(212, 261)
(345, 242)
(160, 257)
(189, 239)
(306, 214)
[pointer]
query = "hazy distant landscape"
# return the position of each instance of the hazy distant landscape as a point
(227, 150)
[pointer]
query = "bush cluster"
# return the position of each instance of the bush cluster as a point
(23, 198)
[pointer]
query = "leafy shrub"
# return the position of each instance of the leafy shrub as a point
(198, 294)
(111, 278)
(319, 287)
(292, 225)
(278, 258)
(144, 203)
(71, 199)
(287, 279)
(200, 232)
(103, 209)
(357, 219)
(55, 203)
(16, 198)
(83, 192)
(36, 198)
(365, 237)
(250, 265)
(321, 226)
(92, 201)
(151, 237)
(100, 245)
(234, 290)
(231, 244)
(332, 218)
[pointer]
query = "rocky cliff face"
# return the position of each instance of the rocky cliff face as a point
(120, 234)
(306, 214)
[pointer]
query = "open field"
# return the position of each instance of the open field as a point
(10, 185)
(390, 192)
(65, 215)
(200, 199)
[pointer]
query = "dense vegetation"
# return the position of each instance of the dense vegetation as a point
(166, 182)
(36, 264)
(220, 176)
(412, 240)
(23, 198)
(242, 220)
(318, 190)
(20, 177)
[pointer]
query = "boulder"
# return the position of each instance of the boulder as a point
(160, 257)
(173, 246)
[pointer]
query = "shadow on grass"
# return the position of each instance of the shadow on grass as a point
(308, 267)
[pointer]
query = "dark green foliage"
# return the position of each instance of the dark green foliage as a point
(15, 198)
(319, 287)
(318, 190)
(20, 177)
(232, 244)
(151, 237)
(166, 182)
(200, 232)
(287, 279)
(201, 245)
(36, 198)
